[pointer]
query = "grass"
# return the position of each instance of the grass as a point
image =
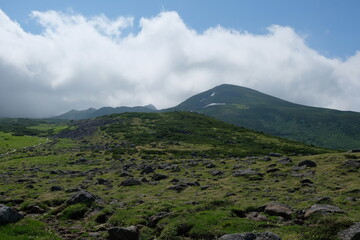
(204, 211)
(27, 229)
(8, 142)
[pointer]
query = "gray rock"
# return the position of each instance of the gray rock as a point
(216, 172)
(266, 159)
(130, 182)
(352, 163)
(129, 233)
(147, 170)
(251, 236)
(178, 187)
(307, 163)
(277, 209)
(9, 215)
(83, 197)
(156, 218)
(352, 233)
(56, 188)
(158, 177)
(256, 217)
(285, 160)
(322, 209)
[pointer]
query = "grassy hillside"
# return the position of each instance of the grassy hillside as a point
(175, 176)
(252, 109)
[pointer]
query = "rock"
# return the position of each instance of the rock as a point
(193, 183)
(83, 197)
(306, 181)
(275, 155)
(256, 217)
(156, 218)
(278, 209)
(322, 209)
(147, 170)
(178, 187)
(125, 174)
(285, 160)
(352, 163)
(350, 199)
(352, 233)
(297, 168)
(322, 200)
(230, 194)
(144, 180)
(355, 150)
(102, 218)
(272, 170)
(34, 209)
(251, 236)
(56, 188)
(246, 172)
(158, 177)
(238, 213)
(9, 215)
(210, 165)
(266, 159)
(129, 233)
(130, 182)
(307, 163)
(102, 181)
(216, 172)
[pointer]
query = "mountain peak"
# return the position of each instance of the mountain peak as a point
(150, 106)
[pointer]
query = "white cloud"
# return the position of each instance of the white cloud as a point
(79, 62)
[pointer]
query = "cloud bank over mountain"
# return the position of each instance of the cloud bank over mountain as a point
(80, 62)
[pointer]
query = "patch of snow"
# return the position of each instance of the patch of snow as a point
(213, 104)
(213, 94)
(202, 99)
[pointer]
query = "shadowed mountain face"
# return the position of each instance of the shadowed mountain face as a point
(251, 109)
(93, 113)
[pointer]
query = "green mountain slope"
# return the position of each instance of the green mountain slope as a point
(192, 134)
(174, 175)
(252, 109)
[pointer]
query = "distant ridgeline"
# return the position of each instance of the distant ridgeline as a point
(254, 110)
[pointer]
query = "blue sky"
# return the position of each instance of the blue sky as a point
(332, 27)
(61, 55)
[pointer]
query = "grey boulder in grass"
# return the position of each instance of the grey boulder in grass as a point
(9, 215)
(129, 233)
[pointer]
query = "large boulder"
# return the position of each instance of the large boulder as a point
(9, 215)
(130, 182)
(277, 209)
(307, 163)
(83, 197)
(322, 209)
(352, 233)
(251, 236)
(129, 233)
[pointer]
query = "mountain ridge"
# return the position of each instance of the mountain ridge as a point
(252, 109)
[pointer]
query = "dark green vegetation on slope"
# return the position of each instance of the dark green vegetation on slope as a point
(251, 109)
(185, 164)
